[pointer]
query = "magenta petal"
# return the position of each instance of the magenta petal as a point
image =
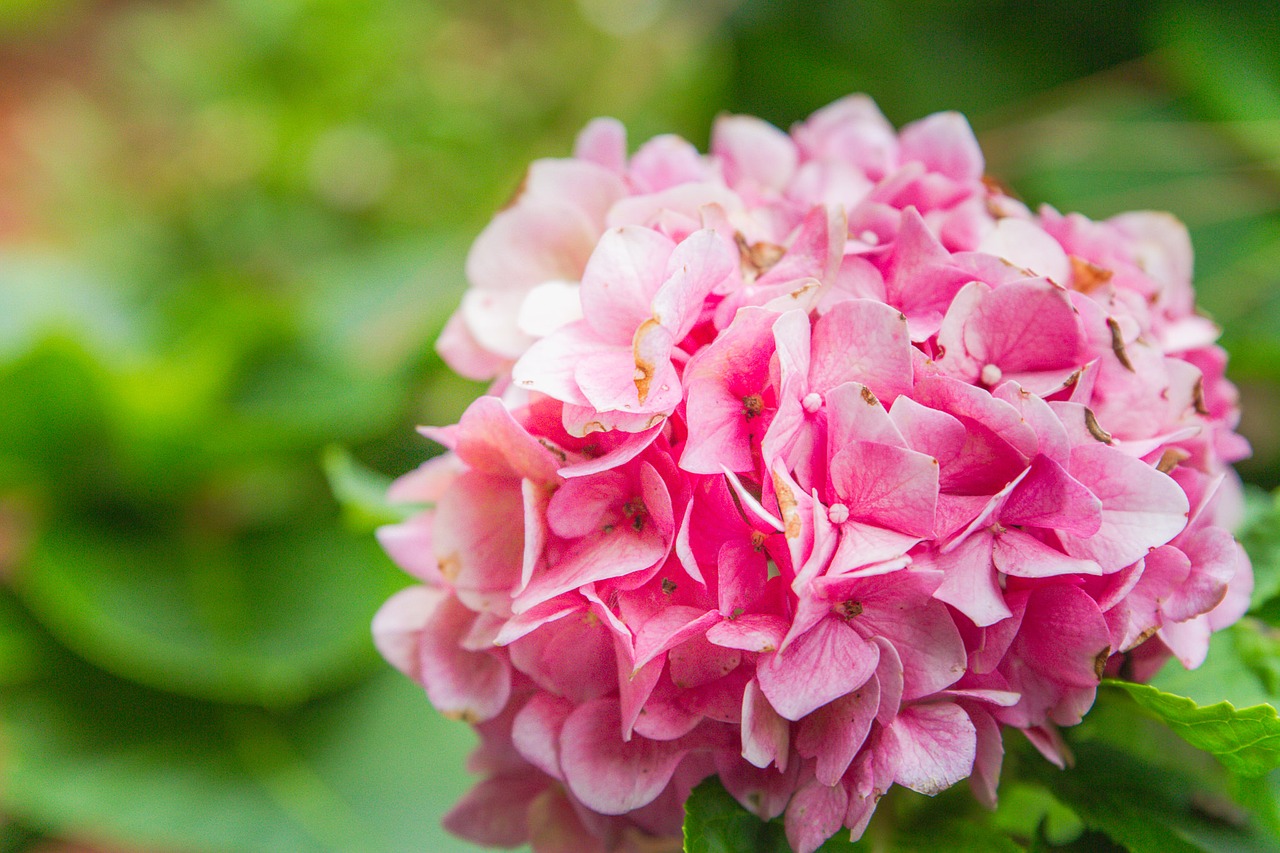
(607, 774)
(824, 663)
(1049, 497)
(888, 486)
(1022, 555)
(933, 746)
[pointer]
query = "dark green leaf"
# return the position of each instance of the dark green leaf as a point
(714, 822)
(1246, 741)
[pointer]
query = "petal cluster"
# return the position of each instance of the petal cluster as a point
(814, 463)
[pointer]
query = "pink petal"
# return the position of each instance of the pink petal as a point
(619, 282)
(766, 736)
(969, 581)
(1022, 555)
(815, 814)
(535, 732)
(750, 632)
(607, 774)
(933, 746)
(765, 793)
(834, 733)
(474, 686)
(889, 486)
(823, 664)
(944, 143)
(698, 265)
(494, 812)
(1141, 507)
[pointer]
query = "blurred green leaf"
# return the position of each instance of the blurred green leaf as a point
(19, 652)
(268, 619)
(91, 757)
(1127, 799)
(362, 492)
(1246, 740)
(1029, 811)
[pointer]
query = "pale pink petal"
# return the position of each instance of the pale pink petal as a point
(944, 143)
(603, 141)
(625, 271)
(753, 152)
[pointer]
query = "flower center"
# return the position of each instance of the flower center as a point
(812, 402)
(838, 514)
(752, 406)
(991, 374)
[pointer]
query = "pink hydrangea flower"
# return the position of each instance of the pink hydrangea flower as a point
(814, 463)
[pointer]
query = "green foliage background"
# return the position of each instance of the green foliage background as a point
(229, 234)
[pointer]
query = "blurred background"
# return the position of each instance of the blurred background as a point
(230, 231)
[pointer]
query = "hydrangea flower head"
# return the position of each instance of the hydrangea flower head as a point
(813, 463)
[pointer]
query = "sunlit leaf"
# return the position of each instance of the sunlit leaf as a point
(1246, 740)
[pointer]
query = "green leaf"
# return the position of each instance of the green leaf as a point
(268, 619)
(715, 823)
(368, 771)
(362, 492)
(1260, 537)
(19, 652)
(1246, 741)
